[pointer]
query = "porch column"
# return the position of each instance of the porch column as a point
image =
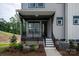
(40, 29)
(51, 26)
(23, 29)
(52, 34)
(52, 19)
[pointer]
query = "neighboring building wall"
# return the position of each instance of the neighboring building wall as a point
(71, 31)
(59, 12)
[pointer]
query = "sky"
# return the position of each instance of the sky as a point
(8, 10)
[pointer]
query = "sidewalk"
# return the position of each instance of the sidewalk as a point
(52, 52)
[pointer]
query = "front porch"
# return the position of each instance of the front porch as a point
(36, 25)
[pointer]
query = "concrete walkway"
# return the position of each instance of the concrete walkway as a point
(52, 52)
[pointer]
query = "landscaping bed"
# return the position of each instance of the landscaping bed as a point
(68, 53)
(15, 52)
(15, 48)
(64, 50)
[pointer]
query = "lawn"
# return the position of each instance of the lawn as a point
(5, 37)
(4, 44)
(5, 33)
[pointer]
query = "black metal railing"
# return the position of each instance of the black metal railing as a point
(44, 38)
(53, 38)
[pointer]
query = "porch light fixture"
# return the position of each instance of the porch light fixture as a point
(36, 15)
(76, 20)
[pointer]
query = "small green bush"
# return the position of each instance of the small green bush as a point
(19, 46)
(77, 48)
(71, 44)
(13, 45)
(13, 39)
(33, 47)
(16, 46)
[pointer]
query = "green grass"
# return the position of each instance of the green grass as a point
(4, 44)
(6, 33)
(7, 44)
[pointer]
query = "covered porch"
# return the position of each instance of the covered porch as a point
(36, 25)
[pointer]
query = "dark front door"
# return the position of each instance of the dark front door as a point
(44, 25)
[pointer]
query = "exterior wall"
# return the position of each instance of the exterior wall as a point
(59, 12)
(59, 30)
(71, 31)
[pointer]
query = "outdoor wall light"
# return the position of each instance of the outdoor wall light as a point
(59, 21)
(36, 15)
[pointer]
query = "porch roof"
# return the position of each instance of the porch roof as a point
(35, 12)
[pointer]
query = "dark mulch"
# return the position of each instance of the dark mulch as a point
(15, 52)
(64, 52)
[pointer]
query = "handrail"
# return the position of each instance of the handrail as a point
(53, 38)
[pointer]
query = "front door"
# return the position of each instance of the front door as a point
(34, 29)
(44, 27)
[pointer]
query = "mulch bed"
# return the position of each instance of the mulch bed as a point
(15, 52)
(63, 52)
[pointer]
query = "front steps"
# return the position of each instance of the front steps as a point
(49, 42)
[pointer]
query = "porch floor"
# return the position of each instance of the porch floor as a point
(51, 51)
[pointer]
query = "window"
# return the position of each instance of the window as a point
(40, 5)
(76, 20)
(36, 5)
(59, 21)
(31, 5)
(33, 29)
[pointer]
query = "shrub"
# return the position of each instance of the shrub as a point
(13, 41)
(77, 48)
(34, 47)
(13, 45)
(19, 46)
(71, 45)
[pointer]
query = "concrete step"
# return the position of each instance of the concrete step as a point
(50, 43)
(50, 47)
(48, 39)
